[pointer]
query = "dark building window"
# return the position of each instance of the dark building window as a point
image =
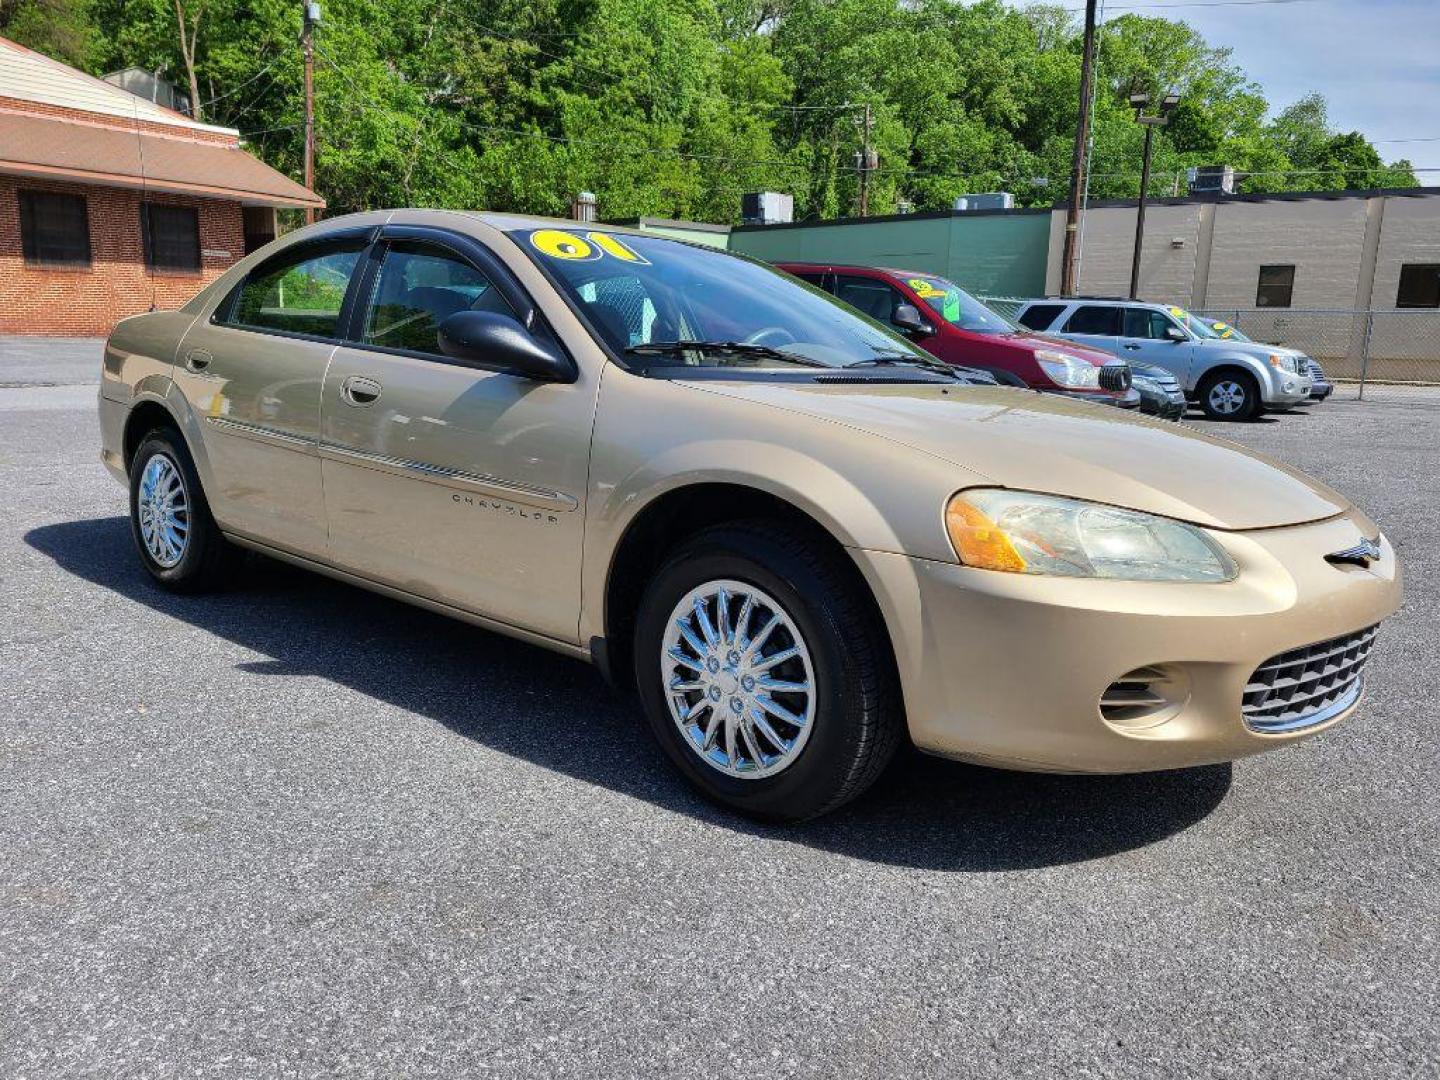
(1419, 285)
(1277, 284)
(171, 236)
(54, 229)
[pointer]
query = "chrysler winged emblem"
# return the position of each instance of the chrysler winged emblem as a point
(1362, 554)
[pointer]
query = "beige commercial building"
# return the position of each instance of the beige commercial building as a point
(1352, 277)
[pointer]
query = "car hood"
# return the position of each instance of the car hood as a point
(1030, 441)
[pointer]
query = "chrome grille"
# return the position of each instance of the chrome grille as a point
(1308, 685)
(1313, 369)
(1115, 377)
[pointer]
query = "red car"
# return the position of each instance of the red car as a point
(947, 321)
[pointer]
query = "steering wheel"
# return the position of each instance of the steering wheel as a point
(759, 336)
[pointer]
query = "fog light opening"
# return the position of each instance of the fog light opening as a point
(1144, 698)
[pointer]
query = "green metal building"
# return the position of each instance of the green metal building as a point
(992, 252)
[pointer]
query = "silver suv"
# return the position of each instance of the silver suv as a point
(1230, 379)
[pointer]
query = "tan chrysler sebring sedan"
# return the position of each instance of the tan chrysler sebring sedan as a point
(798, 537)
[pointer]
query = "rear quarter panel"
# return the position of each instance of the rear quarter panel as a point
(137, 365)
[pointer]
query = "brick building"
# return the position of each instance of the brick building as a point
(111, 204)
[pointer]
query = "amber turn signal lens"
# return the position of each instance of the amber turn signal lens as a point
(978, 540)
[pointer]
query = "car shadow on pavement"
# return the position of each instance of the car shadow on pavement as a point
(514, 697)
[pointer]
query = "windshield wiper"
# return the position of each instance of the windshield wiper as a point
(905, 360)
(739, 348)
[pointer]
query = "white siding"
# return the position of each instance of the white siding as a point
(29, 76)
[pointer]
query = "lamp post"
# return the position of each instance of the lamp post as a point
(1150, 122)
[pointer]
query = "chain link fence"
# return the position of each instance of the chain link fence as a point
(1369, 355)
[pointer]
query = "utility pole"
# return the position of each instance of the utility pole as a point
(307, 48)
(867, 159)
(1140, 215)
(1160, 119)
(1068, 284)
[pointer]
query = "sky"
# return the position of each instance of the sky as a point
(1376, 61)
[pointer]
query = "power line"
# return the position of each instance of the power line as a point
(235, 90)
(1205, 4)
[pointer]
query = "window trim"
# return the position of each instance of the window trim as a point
(1433, 268)
(22, 195)
(221, 316)
(147, 240)
(352, 325)
(1261, 284)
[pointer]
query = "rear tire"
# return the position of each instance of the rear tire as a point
(179, 543)
(1230, 395)
(724, 709)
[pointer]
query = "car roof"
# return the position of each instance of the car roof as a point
(504, 221)
(1120, 301)
(856, 266)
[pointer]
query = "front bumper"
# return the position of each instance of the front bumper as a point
(1321, 390)
(1127, 399)
(1285, 390)
(1009, 669)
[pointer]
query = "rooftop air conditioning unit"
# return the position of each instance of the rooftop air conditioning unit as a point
(989, 200)
(767, 208)
(1211, 179)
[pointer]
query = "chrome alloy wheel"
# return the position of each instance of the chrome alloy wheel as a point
(1227, 397)
(163, 509)
(738, 679)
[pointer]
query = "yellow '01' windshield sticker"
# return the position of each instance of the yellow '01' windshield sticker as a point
(560, 244)
(924, 289)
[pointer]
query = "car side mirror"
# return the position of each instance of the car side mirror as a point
(1174, 333)
(495, 342)
(907, 318)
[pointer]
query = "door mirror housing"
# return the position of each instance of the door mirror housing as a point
(907, 318)
(495, 342)
(1174, 333)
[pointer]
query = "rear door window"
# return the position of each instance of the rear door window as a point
(1040, 316)
(1094, 319)
(300, 291)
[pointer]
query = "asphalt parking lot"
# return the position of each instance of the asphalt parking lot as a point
(298, 830)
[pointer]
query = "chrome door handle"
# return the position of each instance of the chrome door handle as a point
(360, 391)
(198, 359)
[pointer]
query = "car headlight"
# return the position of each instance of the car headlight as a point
(1284, 363)
(1064, 369)
(1026, 533)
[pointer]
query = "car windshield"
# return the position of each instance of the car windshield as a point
(1227, 332)
(957, 307)
(648, 296)
(1196, 325)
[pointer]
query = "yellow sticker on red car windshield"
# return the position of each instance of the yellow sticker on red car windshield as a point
(560, 244)
(923, 288)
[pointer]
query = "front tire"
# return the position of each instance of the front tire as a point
(179, 543)
(1230, 395)
(764, 673)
